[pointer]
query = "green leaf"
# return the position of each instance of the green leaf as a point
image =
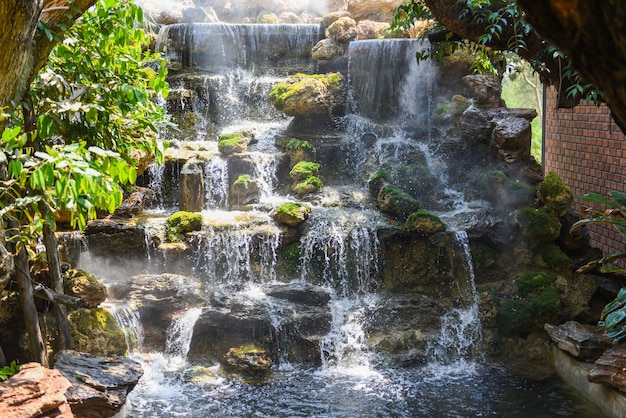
(619, 197)
(597, 198)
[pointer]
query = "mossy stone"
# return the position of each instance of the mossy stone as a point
(553, 193)
(291, 214)
(233, 143)
(180, 223)
(309, 185)
(425, 223)
(396, 202)
(96, 332)
(541, 225)
(303, 170)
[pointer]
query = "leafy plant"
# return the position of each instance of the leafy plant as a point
(8, 371)
(613, 317)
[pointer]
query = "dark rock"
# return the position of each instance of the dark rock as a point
(582, 342)
(135, 203)
(510, 142)
(110, 237)
(100, 385)
(484, 89)
(192, 187)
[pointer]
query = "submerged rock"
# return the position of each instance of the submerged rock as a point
(247, 360)
(100, 385)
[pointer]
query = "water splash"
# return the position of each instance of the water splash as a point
(128, 319)
(179, 334)
(216, 183)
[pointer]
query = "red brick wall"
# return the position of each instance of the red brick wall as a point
(586, 149)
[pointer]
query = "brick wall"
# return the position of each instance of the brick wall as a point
(586, 149)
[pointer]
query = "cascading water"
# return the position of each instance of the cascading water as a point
(336, 336)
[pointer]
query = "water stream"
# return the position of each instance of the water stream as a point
(234, 263)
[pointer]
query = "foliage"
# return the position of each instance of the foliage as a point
(293, 144)
(303, 170)
(503, 29)
(8, 371)
(242, 182)
(613, 317)
(72, 147)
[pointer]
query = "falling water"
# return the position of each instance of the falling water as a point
(216, 183)
(179, 334)
(127, 317)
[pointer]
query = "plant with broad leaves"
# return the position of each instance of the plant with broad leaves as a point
(8, 371)
(614, 214)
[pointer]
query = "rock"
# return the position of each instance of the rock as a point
(555, 194)
(85, 286)
(484, 89)
(182, 222)
(191, 187)
(368, 29)
(122, 237)
(373, 9)
(247, 360)
(234, 143)
(578, 340)
(343, 30)
(96, 332)
(291, 214)
(425, 223)
(609, 368)
(135, 203)
(327, 49)
(394, 201)
(99, 385)
(541, 225)
(510, 141)
(244, 191)
(35, 391)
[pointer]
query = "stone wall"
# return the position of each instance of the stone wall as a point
(586, 149)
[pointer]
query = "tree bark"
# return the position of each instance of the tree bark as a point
(52, 295)
(593, 36)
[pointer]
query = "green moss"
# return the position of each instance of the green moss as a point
(553, 193)
(292, 209)
(95, 331)
(514, 315)
(380, 175)
(397, 202)
(541, 224)
(284, 90)
(311, 184)
(425, 222)
(242, 182)
(293, 144)
(303, 170)
(539, 290)
(292, 257)
(493, 178)
(180, 223)
(553, 257)
(231, 143)
(442, 108)
(532, 282)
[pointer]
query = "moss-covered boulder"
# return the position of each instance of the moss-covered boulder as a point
(298, 150)
(394, 201)
(309, 185)
(504, 192)
(247, 361)
(96, 332)
(85, 286)
(233, 143)
(306, 96)
(377, 181)
(541, 225)
(552, 257)
(303, 170)
(180, 223)
(245, 190)
(291, 214)
(553, 193)
(425, 223)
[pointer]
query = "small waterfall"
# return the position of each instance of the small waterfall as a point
(236, 255)
(341, 251)
(458, 348)
(179, 334)
(156, 174)
(216, 183)
(127, 317)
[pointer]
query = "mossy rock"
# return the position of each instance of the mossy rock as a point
(514, 316)
(291, 214)
(247, 360)
(299, 150)
(234, 143)
(180, 223)
(394, 201)
(425, 223)
(309, 185)
(310, 95)
(551, 256)
(377, 181)
(86, 286)
(96, 332)
(303, 170)
(541, 225)
(553, 193)
(291, 255)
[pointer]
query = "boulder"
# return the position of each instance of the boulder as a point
(192, 187)
(609, 368)
(327, 49)
(510, 141)
(395, 202)
(291, 214)
(95, 331)
(121, 237)
(244, 191)
(373, 9)
(555, 194)
(425, 223)
(135, 203)
(85, 286)
(486, 90)
(247, 360)
(342, 31)
(581, 341)
(99, 385)
(369, 29)
(35, 391)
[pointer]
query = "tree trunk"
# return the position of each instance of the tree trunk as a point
(54, 269)
(31, 318)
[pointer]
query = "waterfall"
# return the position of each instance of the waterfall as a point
(458, 348)
(127, 317)
(216, 183)
(340, 249)
(179, 334)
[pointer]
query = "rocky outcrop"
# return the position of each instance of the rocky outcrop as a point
(96, 332)
(485, 90)
(99, 385)
(247, 361)
(609, 368)
(135, 203)
(6, 262)
(583, 342)
(191, 187)
(35, 391)
(85, 286)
